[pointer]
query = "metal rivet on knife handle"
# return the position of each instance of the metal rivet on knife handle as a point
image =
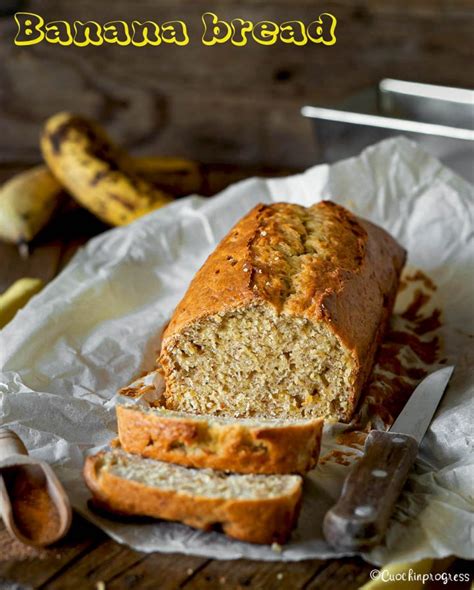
(359, 519)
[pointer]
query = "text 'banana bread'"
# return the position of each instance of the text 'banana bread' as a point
(284, 318)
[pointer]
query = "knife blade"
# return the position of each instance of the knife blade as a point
(359, 519)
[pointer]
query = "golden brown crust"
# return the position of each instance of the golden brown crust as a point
(231, 446)
(333, 268)
(262, 521)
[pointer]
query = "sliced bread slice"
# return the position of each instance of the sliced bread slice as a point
(253, 508)
(228, 444)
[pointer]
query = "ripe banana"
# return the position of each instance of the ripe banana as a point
(29, 199)
(16, 297)
(27, 202)
(96, 172)
(177, 176)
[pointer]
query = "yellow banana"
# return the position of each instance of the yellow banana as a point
(96, 172)
(178, 176)
(27, 202)
(16, 297)
(29, 199)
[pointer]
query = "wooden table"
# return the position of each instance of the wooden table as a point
(87, 558)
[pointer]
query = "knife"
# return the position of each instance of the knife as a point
(360, 517)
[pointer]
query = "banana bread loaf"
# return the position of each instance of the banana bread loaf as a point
(284, 318)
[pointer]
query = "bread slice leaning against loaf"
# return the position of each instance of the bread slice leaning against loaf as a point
(241, 446)
(284, 318)
(252, 508)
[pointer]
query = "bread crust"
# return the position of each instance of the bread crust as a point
(262, 521)
(351, 290)
(231, 446)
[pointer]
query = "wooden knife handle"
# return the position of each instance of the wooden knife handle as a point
(360, 517)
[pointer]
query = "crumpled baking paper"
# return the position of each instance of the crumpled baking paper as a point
(96, 327)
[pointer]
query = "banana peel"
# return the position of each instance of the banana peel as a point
(29, 199)
(16, 297)
(177, 176)
(27, 203)
(101, 176)
(96, 172)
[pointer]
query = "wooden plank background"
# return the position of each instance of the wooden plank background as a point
(225, 104)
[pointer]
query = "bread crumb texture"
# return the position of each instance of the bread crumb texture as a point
(198, 482)
(283, 319)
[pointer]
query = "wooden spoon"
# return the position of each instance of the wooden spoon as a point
(33, 503)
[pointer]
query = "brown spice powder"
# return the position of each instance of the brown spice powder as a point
(13, 550)
(34, 512)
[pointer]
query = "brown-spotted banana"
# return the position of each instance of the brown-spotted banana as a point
(177, 176)
(29, 199)
(96, 172)
(27, 202)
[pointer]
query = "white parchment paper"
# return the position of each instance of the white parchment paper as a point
(94, 329)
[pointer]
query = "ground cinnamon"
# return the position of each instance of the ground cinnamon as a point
(13, 550)
(34, 512)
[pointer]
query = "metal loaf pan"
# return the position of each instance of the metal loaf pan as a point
(439, 118)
